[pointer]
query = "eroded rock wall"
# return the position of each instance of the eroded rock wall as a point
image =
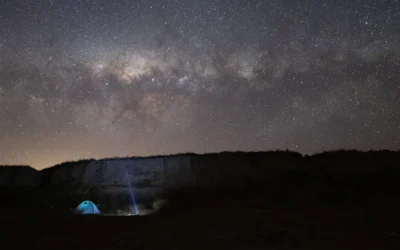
(120, 180)
(170, 172)
(106, 180)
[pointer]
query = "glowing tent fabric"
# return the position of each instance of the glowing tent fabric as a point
(87, 207)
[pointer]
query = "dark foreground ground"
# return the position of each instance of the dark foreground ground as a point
(223, 224)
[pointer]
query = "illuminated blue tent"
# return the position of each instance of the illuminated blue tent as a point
(87, 207)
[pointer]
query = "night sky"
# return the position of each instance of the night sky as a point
(94, 79)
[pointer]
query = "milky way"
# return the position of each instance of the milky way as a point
(93, 79)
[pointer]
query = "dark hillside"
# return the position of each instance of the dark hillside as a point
(328, 179)
(270, 200)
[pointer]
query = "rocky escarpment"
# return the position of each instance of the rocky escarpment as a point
(118, 181)
(106, 181)
(113, 180)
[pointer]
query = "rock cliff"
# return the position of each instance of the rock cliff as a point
(169, 172)
(119, 180)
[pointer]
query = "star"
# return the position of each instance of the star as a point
(119, 78)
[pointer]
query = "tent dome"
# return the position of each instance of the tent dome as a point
(87, 207)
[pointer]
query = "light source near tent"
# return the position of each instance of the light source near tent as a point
(136, 210)
(88, 207)
(140, 208)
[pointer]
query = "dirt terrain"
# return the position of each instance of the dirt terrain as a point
(240, 223)
(335, 200)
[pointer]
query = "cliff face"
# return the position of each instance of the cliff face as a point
(102, 173)
(118, 181)
(105, 181)
(169, 172)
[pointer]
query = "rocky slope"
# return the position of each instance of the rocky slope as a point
(116, 181)
(151, 177)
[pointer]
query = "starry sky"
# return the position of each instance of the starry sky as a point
(96, 78)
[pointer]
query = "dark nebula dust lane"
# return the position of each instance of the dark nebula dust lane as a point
(93, 79)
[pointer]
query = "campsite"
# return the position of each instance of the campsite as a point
(228, 224)
(199, 124)
(335, 200)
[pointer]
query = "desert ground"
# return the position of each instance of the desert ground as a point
(225, 223)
